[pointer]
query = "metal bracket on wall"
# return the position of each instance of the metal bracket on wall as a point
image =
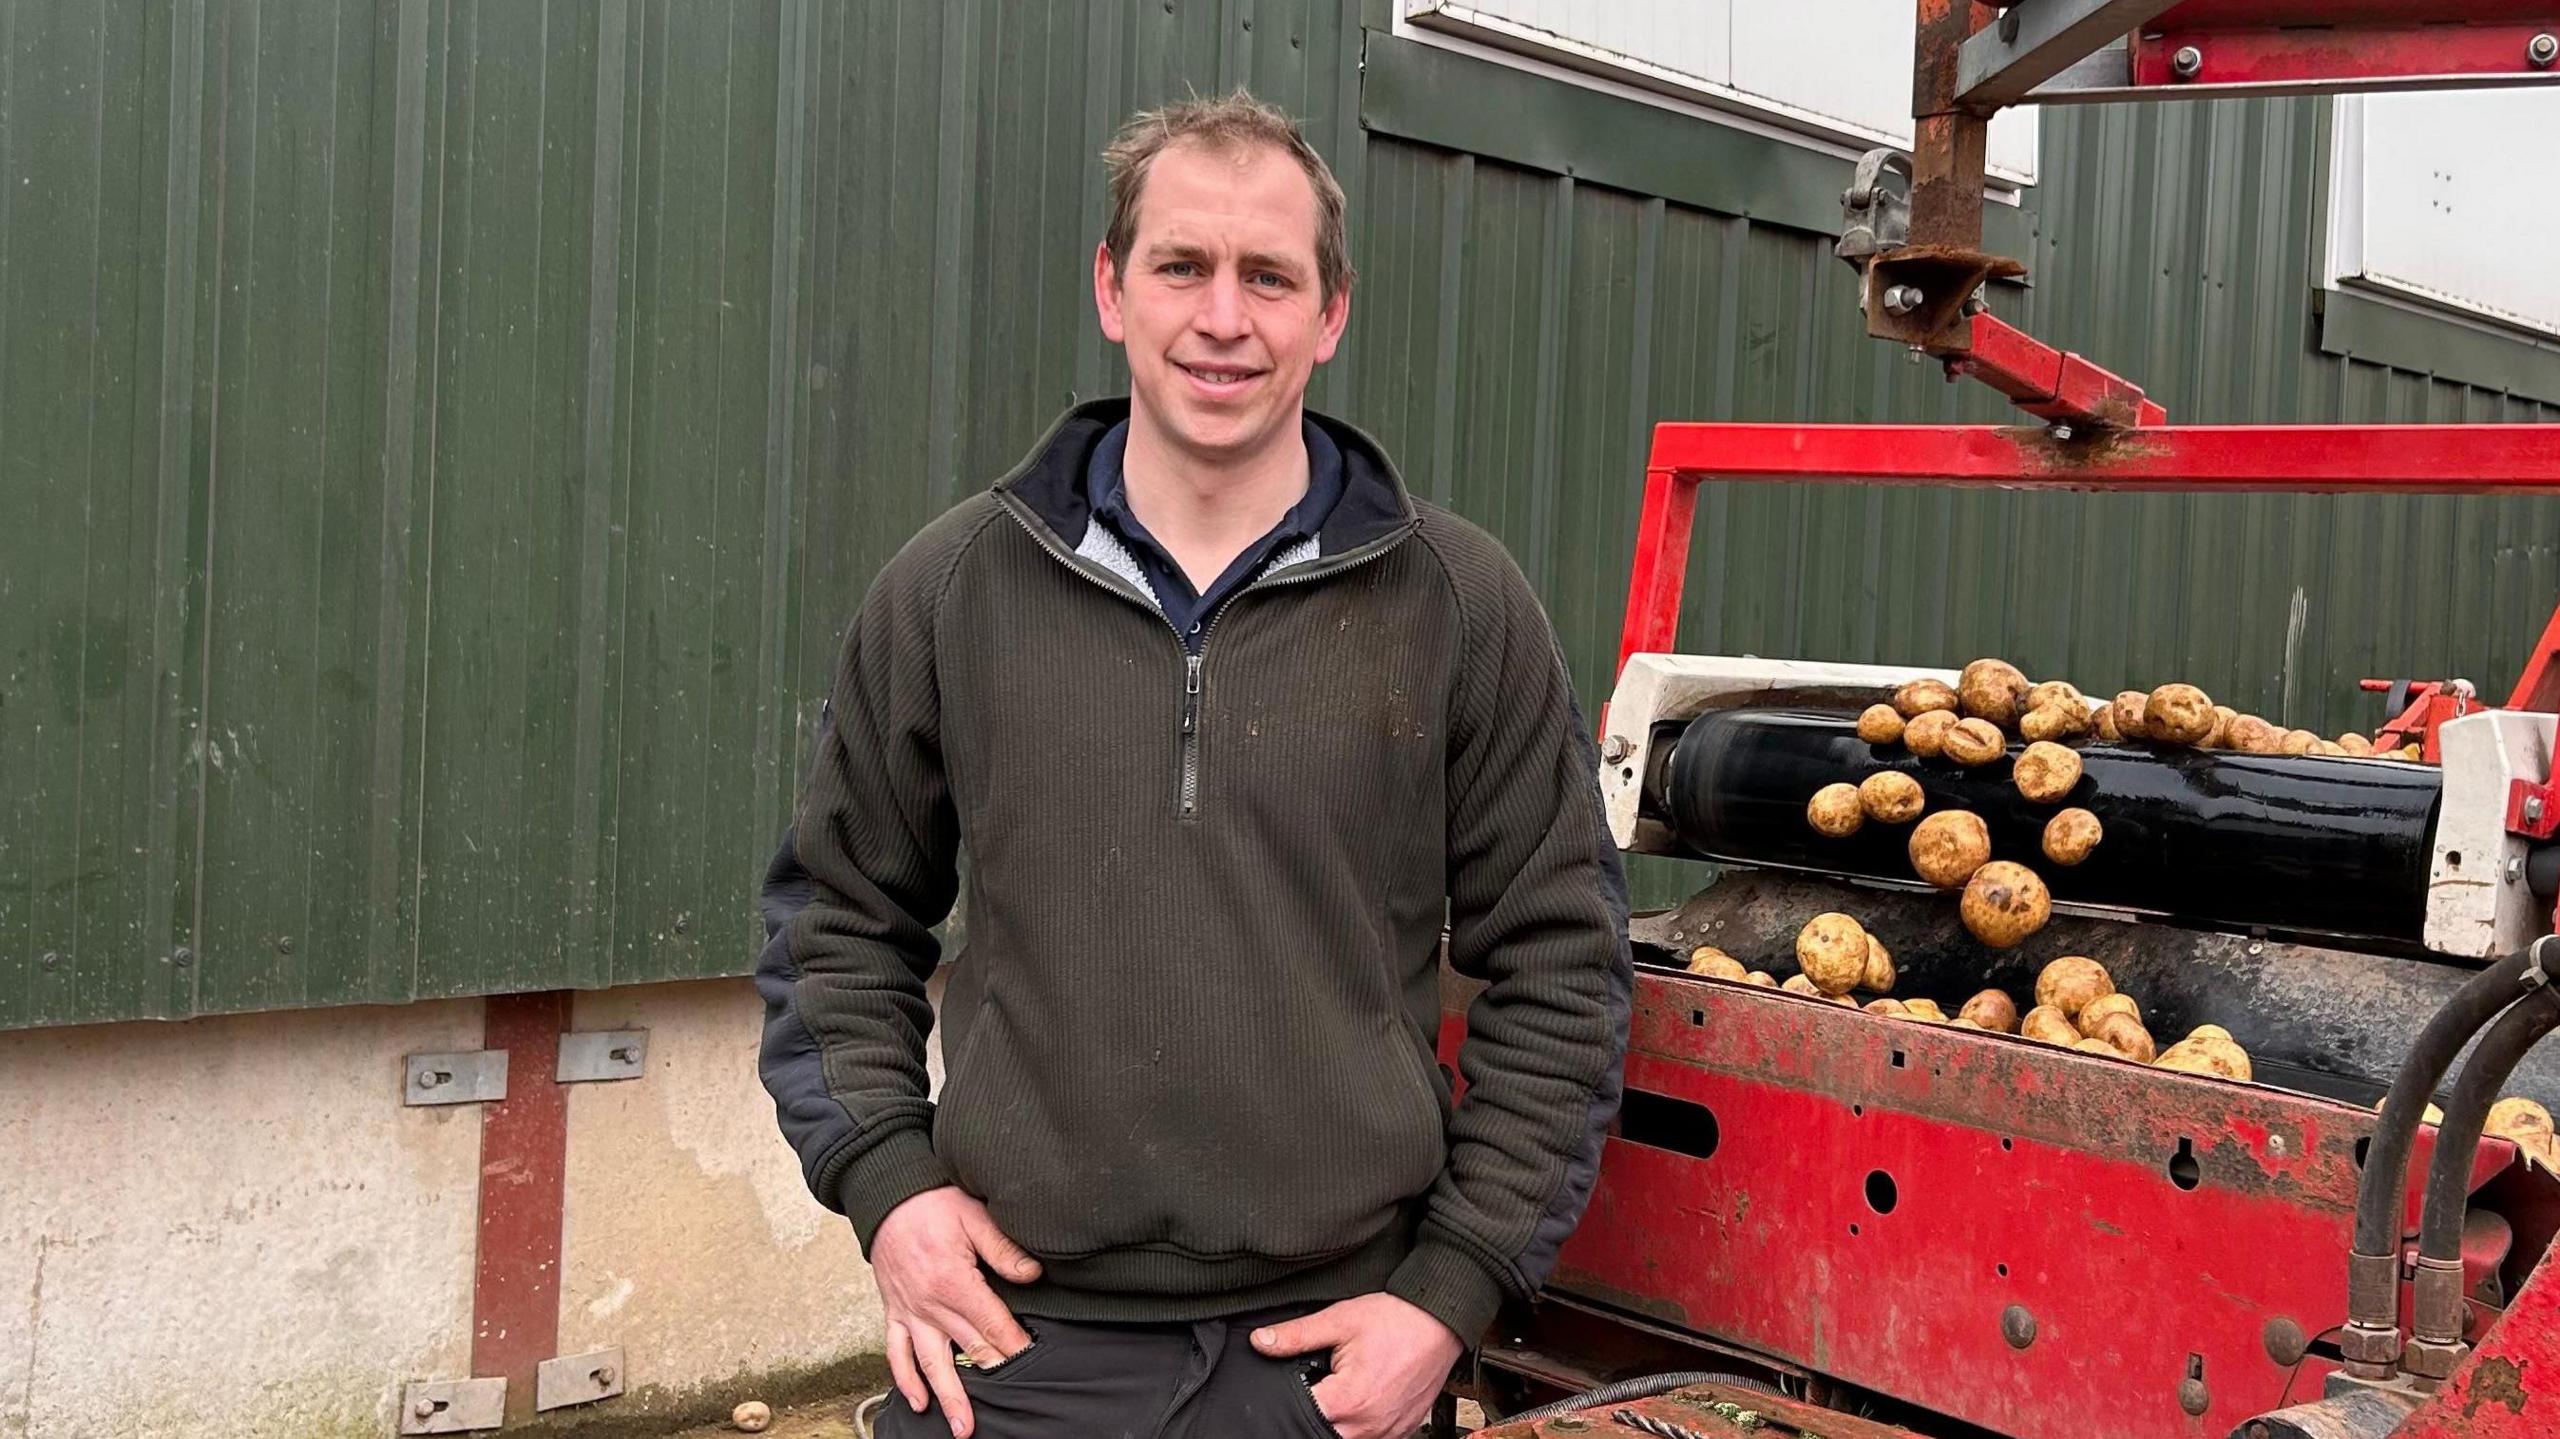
(452, 1406)
(577, 1379)
(475, 1076)
(587, 1055)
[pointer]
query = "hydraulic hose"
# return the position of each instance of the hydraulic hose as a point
(2458, 1138)
(1627, 1390)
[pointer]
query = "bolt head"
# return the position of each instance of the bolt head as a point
(2017, 1326)
(1615, 748)
(2187, 62)
(2543, 49)
(424, 1408)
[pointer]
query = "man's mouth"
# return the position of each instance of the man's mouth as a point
(1220, 378)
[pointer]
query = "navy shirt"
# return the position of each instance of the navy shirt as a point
(1189, 610)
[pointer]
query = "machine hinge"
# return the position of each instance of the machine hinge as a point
(475, 1076)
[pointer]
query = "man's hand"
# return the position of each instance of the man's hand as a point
(1389, 1360)
(925, 1256)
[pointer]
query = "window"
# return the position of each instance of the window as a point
(1836, 74)
(2442, 200)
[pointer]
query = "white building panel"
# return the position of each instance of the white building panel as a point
(2446, 197)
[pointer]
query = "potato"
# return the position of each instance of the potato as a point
(2045, 772)
(1834, 811)
(2515, 1117)
(2048, 1025)
(1960, 1022)
(2056, 722)
(2428, 1115)
(2355, 744)
(1842, 1000)
(2207, 1056)
(2071, 982)
(1880, 724)
(2252, 735)
(1993, 1009)
(1832, 948)
(1947, 847)
(1921, 696)
(1926, 1009)
(752, 1417)
(2177, 714)
(1878, 975)
(2094, 1013)
(2413, 754)
(1891, 797)
(2329, 749)
(1974, 743)
(2102, 723)
(2299, 741)
(1761, 977)
(2127, 713)
(2070, 835)
(2097, 1046)
(1891, 1008)
(2223, 715)
(2128, 1037)
(2208, 1031)
(1714, 963)
(1992, 690)
(2004, 903)
(1798, 984)
(2056, 692)
(1926, 734)
(2542, 1149)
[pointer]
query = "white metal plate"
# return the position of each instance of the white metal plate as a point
(2443, 199)
(452, 1406)
(2477, 906)
(588, 1055)
(577, 1379)
(475, 1076)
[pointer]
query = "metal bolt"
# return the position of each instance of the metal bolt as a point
(2542, 49)
(424, 1408)
(2187, 62)
(603, 1377)
(1902, 299)
(622, 1054)
(1615, 748)
(2194, 1397)
(2017, 1326)
(183, 957)
(285, 945)
(2533, 809)
(2060, 433)
(51, 959)
(434, 1077)
(2284, 1340)
(2515, 870)
(681, 922)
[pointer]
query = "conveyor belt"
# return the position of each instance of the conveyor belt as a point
(2337, 848)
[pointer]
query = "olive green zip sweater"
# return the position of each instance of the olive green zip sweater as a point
(1190, 1047)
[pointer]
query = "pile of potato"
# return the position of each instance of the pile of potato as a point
(2077, 1004)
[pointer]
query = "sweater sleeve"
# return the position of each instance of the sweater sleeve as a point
(866, 871)
(1538, 909)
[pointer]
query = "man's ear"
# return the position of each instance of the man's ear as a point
(1106, 295)
(1337, 315)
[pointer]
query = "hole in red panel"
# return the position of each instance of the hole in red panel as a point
(1697, 1019)
(1900, 1059)
(1658, 1121)
(1853, 1230)
(2007, 1144)
(2003, 1268)
(2364, 1146)
(1882, 1193)
(1858, 1110)
(2184, 1172)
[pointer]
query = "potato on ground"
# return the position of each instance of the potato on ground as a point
(1761, 977)
(2516, 1116)
(1925, 1009)
(2045, 772)
(1889, 1007)
(2177, 714)
(1974, 743)
(2126, 711)
(1835, 811)
(2207, 1055)
(1992, 1009)
(1714, 963)
(2298, 741)
(2070, 835)
(2050, 1025)
(1832, 948)
(1947, 847)
(2004, 903)
(2071, 982)
(2127, 1036)
(2252, 735)
(2094, 1013)
(1891, 797)
(1798, 984)
(1878, 975)
(2055, 722)
(1992, 690)
(2056, 692)
(1926, 734)
(1921, 696)
(1880, 724)
(2355, 744)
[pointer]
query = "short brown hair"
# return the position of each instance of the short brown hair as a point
(1228, 122)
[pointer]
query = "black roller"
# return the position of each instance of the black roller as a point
(2291, 844)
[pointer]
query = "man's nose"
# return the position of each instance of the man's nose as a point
(1222, 309)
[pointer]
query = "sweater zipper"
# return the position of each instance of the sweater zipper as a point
(1187, 788)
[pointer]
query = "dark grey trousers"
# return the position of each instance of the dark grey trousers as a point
(1196, 1380)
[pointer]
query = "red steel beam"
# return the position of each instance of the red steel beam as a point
(2365, 52)
(524, 1147)
(2051, 384)
(2270, 14)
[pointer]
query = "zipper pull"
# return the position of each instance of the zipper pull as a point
(1190, 693)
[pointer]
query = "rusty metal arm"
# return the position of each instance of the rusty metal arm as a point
(2037, 40)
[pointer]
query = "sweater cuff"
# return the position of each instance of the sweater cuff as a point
(888, 1174)
(1448, 1284)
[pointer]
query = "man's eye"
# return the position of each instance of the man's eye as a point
(1178, 268)
(1270, 281)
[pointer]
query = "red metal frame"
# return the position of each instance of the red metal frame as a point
(2310, 43)
(524, 1147)
(2048, 383)
(2433, 704)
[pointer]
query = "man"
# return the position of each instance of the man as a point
(1228, 725)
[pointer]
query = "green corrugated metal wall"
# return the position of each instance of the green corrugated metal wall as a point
(442, 439)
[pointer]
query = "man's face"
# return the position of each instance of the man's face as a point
(1220, 311)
